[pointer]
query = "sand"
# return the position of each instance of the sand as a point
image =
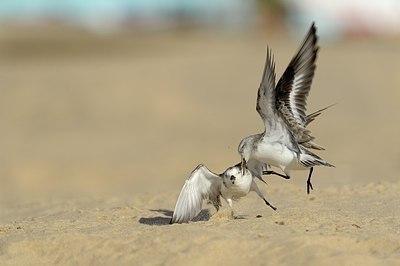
(79, 185)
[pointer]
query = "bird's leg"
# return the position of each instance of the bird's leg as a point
(269, 204)
(255, 188)
(217, 203)
(309, 185)
(275, 173)
(230, 203)
(262, 180)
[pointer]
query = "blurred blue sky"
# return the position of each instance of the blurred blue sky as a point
(334, 18)
(102, 14)
(22, 9)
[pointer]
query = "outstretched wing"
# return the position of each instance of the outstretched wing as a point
(267, 106)
(201, 184)
(294, 85)
(266, 92)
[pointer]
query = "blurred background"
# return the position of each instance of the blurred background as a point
(130, 95)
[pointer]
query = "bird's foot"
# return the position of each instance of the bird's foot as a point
(275, 173)
(269, 204)
(309, 186)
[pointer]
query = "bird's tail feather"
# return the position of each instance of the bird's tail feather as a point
(309, 159)
(312, 116)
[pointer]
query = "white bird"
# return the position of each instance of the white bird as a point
(202, 184)
(282, 108)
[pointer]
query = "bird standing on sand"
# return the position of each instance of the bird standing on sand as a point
(232, 184)
(286, 139)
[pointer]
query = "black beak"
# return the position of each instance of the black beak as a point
(243, 166)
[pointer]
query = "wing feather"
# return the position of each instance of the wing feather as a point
(275, 127)
(266, 92)
(200, 185)
(294, 86)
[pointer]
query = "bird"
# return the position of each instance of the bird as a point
(203, 184)
(286, 141)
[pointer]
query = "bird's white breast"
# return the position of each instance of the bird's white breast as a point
(275, 154)
(237, 188)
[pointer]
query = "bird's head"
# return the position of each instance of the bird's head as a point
(233, 173)
(245, 150)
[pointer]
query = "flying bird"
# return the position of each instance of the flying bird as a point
(202, 184)
(286, 141)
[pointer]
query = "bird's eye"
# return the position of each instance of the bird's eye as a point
(233, 177)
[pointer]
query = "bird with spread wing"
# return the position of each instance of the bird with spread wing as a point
(202, 184)
(286, 140)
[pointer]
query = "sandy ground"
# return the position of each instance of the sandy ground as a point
(98, 135)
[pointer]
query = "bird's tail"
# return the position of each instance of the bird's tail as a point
(309, 118)
(309, 159)
(312, 116)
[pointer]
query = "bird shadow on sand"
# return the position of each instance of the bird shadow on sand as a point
(204, 215)
(158, 220)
